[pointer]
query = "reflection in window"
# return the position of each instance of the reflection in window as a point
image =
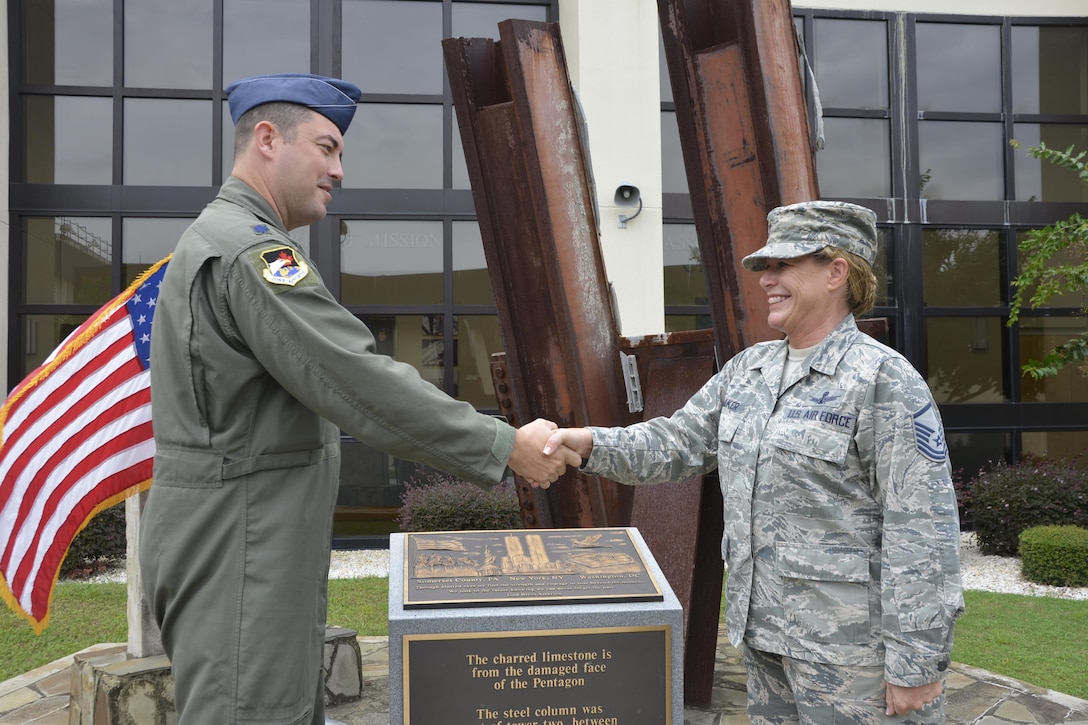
(67, 260)
(401, 148)
(970, 453)
(179, 58)
(479, 20)
(851, 63)
(674, 178)
(882, 266)
(1038, 338)
(68, 42)
(471, 281)
(145, 241)
(1041, 180)
(40, 336)
(391, 262)
(962, 267)
(964, 359)
(959, 67)
(1068, 445)
(68, 140)
(392, 46)
(1046, 78)
(185, 160)
(476, 338)
(265, 36)
(685, 280)
(962, 161)
(856, 160)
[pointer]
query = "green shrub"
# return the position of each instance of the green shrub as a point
(101, 544)
(1008, 499)
(441, 502)
(1055, 555)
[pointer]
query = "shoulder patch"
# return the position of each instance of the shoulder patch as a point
(929, 435)
(283, 266)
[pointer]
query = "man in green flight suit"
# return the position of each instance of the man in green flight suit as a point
(256, 369)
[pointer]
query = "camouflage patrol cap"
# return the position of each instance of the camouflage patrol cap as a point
(807, 227)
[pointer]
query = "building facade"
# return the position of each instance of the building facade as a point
(119, 135)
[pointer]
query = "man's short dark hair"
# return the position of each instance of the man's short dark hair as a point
(285, 116)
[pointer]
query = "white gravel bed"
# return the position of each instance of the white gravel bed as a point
(982, 573)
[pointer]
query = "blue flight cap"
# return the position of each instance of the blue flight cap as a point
(333, 98)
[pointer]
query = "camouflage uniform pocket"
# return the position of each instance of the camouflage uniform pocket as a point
(916, 584)
(825, 592)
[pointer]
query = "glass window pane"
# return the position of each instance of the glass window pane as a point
(477, 338)
(41, 334)
(392, 46)
(962, 267)
(1038, 338)
(1041, 180)
(145, 241)
(67, 260)
(400, 149)
(68, 42)
(179, 58)
(1073, 255)
(480, 20)
(972, 452)
(1049, 70)
(391, 262)
(685, 279)
(959, 67)
(68, 140)
(851, 63)
(186, 160)
(674, 178)
(471, 281)
(1068, 445)
(963, 161)
(964, 359)
(265, 36)
(856, 158)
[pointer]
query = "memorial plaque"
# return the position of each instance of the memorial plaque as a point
(593, 676)
(524, 566)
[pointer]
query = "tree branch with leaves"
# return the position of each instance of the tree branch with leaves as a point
(1038, 273)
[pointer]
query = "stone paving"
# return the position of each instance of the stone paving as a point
(40, 697)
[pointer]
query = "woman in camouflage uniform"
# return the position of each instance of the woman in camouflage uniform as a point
(841, 526)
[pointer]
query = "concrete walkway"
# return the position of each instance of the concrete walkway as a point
(40, 697)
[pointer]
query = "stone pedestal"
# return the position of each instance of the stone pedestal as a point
(579, 654)
(110, 687)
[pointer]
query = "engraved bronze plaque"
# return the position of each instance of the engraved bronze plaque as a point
(525, 566)
(593, 676)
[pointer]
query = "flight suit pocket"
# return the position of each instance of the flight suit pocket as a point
(825, 592)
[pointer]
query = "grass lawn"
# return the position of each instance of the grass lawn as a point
(1039, 640)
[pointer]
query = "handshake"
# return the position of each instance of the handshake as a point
(543, 450)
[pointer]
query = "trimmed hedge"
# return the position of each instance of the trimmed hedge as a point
(1055, 555)
(101, 544)
(1008, 499)
(441, 502)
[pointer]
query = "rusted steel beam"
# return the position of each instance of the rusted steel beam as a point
(534, 200)
(744, 133)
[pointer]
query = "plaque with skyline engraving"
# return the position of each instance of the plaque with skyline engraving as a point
(525, 566)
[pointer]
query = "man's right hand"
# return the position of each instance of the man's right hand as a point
(529, 459)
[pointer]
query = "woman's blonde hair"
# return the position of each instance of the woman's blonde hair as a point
(860, 280)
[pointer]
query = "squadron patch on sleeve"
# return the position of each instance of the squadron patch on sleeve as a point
(929, 435)
(283, 266)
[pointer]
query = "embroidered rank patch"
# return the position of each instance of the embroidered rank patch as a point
(929, 435)
(282, 266)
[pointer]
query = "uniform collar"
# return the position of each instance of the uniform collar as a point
(236, 191)
(825, 358)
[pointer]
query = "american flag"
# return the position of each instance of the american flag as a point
(75, 439)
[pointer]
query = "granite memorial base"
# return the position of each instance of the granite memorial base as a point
(532, 627)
